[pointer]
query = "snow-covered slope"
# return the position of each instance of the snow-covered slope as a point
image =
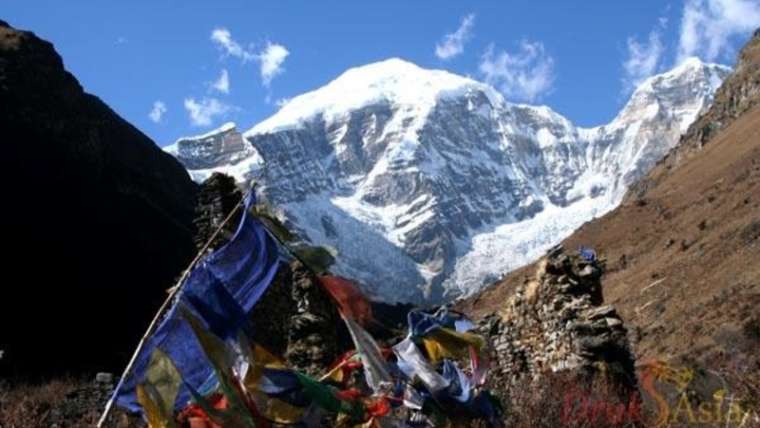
(430, 184)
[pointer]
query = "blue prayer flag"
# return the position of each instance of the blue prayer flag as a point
(221, 290)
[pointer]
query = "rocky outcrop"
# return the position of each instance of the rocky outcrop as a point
(98, 219)
(557, 322)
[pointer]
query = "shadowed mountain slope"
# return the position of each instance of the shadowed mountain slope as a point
(97, 219)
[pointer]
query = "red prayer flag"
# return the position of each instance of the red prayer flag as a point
(351, 302)
(351, 394)
(378, 407)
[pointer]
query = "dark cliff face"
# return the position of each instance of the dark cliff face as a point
(97, 219)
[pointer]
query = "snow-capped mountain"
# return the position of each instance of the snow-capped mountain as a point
(430, 184)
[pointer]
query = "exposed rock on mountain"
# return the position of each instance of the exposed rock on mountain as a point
(98, 219)
(202, 154)
(446, 183)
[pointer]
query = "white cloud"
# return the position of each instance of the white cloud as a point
(202, 112)
(453, 43)
(222, 84)
(281, 102)
(157, 112)
(643, 58)
(271, 59)
(525, 75)
(708, 26)
(224, 41)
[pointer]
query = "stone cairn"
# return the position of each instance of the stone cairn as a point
(555, 322)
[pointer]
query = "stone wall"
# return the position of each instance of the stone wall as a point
(555, 322)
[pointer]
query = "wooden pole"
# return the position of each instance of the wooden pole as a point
(174, 291)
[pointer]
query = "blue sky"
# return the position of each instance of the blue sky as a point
(582, 58)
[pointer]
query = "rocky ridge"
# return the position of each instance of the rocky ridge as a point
(201, 154)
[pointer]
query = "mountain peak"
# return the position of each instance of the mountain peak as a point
(695, 63)
(223, 145)
(392, 65)
(687, 69)
(692, 80)
(396, 70)
(394, 81)
(691, 62)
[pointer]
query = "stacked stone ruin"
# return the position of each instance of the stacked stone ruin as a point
(556, 322)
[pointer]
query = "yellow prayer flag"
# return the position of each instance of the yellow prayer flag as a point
(153, 411)
(258, 358)
(446, 343)
(335, 375)
(164, 379)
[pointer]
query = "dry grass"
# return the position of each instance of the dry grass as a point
(570, 400)
(64, 402)
(29, 405)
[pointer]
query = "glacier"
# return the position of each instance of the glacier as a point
(430, 185)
